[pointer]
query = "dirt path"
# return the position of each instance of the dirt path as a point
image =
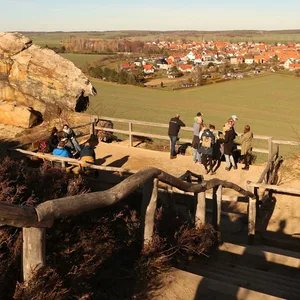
(285, 215)
(119, 155)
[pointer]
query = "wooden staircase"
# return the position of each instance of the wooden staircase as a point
(242, 272)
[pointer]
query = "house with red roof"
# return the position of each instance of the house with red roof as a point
(186, 68)
(294, 67)
(148, 69)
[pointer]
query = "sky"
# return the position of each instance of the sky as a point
(99, 15)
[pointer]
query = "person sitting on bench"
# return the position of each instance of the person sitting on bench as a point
(61, 150)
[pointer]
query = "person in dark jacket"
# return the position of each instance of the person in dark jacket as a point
(87, 153)
(207, 150)
(53, 139)
(228, 147)
(174, 127)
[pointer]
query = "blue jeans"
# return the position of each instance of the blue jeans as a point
(173, 140)
(196, 156)
(229, 161)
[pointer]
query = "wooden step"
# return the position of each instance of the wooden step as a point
(181, 285)
(269, 254)
(267, 280)
(240, 281)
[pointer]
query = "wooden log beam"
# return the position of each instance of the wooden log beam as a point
(20, 216)
(74, 162)
(74, 205)
(280, 189)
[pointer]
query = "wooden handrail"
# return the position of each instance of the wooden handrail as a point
(74, 162)
(280, 189)
(164, 125)
(50, 210)
(34, 220)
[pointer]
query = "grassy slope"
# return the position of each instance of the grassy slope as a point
(269, 104)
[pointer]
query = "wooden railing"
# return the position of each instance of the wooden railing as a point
(31, 144)
(269, 177)
(130, 132)
(35, 220)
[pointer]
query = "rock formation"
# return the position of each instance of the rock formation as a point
(37, 83)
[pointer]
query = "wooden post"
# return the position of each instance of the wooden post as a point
(150, 193)
(216, 206)
(219, 205)
(200, 210)
(270, 147)
(130, 135)
(34, 256)
(63, 164)
(92, 129)
(252, 218)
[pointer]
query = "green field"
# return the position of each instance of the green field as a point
(81, 60)
(269, 104)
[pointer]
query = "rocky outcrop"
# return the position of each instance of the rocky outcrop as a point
(39, 81)
(12, 114)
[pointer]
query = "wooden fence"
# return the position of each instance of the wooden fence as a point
(131, 133)
(35, 220)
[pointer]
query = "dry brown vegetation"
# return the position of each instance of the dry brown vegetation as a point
(96, 255)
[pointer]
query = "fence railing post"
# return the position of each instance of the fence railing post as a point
(270, 147)
(252, 216)
(200, 210)
(150, 193)
(130, 135)
(34, 256)
(92, 129)
(216, 210)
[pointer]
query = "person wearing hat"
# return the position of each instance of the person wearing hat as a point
(174, 127)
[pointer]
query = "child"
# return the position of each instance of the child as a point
(246, 140)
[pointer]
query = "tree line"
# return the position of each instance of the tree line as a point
(111, 46)
(134, 77)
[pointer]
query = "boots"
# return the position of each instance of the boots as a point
(246, 168)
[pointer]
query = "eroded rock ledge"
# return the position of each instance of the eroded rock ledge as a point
(37, 84)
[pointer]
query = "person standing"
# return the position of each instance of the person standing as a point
(246, 140)
(174, 127)
(196, 140)
(207, 142)
(228, 147)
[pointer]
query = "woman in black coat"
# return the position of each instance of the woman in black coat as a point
(228, 146)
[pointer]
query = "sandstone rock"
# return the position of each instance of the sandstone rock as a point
(40, 79)
(17, 115)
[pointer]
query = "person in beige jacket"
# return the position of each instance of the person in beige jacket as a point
(246, 140)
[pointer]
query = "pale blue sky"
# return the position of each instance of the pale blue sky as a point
(71, 15)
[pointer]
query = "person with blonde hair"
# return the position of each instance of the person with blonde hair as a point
(246, 140)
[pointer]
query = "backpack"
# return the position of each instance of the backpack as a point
(44, 146)
(206, 141)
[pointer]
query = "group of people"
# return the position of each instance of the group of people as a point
(64, 143)
(209, 146)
